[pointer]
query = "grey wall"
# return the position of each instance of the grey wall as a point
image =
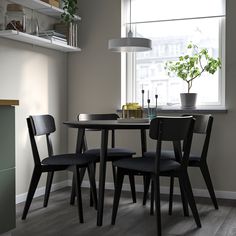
(37, 77)
(94, 86)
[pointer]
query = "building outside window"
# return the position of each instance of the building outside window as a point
(170, 33)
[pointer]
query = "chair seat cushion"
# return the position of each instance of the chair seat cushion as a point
(194, 160)
(165, 154)
(112, 153)
(68, 159)
(146, 164)
(169, 155)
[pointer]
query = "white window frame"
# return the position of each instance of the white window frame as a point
(128, 67)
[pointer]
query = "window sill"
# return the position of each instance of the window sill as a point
(198, 110)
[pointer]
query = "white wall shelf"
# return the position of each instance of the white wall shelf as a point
(35, 40)
(42, 7)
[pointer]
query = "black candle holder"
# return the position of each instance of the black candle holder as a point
(142, 98)
(156, 97)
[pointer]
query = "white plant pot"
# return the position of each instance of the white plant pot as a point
(188, 100)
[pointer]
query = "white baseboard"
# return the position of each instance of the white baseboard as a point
(165, 190)
(40, 191)
(126, 187)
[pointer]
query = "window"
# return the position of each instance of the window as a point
(172, 26)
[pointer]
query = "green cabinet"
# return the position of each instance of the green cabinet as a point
(7, 200)
(7, 168)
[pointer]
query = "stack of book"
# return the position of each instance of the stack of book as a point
(53, 36)
(70, 30)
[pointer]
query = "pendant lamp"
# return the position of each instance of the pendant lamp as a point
(130, 43)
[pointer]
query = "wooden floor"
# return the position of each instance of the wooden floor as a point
(60, 218)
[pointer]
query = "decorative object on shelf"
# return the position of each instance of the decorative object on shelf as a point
(132, 110)
(15, 18)
(70, 30)
(130, 43)
(37, 6)
(54, 3)
(34, 24)
(70, 8)
(53, 36)
(190, 67)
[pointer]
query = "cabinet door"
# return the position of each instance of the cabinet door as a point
(7, 200)
(7, 137)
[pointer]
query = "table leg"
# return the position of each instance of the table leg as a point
(146, 179)
(102, 175)
(143, 141)
(80, 141)
(78, 149)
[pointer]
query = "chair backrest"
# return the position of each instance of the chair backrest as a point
(203, 125)
(105, 116)
(37, 126)
(176, 130)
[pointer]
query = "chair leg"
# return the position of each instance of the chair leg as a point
(172, 179)
(33, 185)
(132, 186)
(156, 183)
(91, 193)
(48, 187)
(78, 193)
(184, 178)
(93, 189)
(183, 198)
(152, 199)
(118, 187)
(114, 174)
(207, 178)
(72, 195)
(146, 183)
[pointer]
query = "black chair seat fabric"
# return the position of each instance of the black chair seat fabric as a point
(146, 164)
(194, 160)
(165, 154)
(111, 152)
(169, 155)
(68, 159)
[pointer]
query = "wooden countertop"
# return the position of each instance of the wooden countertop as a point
(8, 102)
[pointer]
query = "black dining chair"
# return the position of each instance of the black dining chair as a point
(44, 125)
(113, 153)
(202, 127)
(171, 129)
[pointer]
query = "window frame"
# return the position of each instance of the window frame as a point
(128, 65)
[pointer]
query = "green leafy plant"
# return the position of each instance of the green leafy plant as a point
(70, 8)
(193, 64)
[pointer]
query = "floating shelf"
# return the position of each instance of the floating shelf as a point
(35, 40)
(42, 7)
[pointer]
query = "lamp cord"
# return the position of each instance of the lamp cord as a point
(130, 34)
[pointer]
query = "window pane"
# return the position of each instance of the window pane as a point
(169, 41)
(153, 10)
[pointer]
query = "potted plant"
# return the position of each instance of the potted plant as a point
(191, 66)
(69, 7)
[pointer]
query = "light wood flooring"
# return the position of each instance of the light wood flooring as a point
(61, 219)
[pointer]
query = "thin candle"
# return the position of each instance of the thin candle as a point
(156, 96)
(142, 91)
